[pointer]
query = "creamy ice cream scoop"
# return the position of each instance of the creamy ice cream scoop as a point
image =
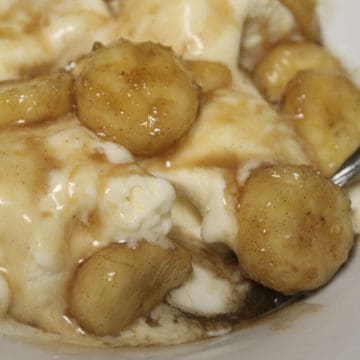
(64, 194)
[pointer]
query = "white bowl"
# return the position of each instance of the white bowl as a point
(322, 326)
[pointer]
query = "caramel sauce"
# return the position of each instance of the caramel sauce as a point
(29, 258)
(232, 128)
(86, 232)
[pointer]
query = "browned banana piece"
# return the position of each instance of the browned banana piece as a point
(118, 284)
(324, 108)
(210, 75)
(141, 96)
(29, 101)
(295, 228)
(284, 61)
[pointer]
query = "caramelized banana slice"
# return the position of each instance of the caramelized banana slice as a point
(325, 110)
(295, 228)
(304, 12)
(138, 95)
(210, 75)
(118, 284)
(29, 101)
(284, 61)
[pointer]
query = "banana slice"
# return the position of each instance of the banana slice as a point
(304, 12)
(210, 75)
(30, 101)
(138, 95)
(325, 109)
(118, 284)
(284, 61)
(295, 228)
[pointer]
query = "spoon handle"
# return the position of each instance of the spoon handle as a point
(348, 170)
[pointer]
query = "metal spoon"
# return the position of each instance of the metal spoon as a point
(348, 170)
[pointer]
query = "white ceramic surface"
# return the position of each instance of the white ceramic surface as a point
(323, 326)
(340, 30)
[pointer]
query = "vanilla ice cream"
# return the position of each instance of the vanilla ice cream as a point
(69, 195)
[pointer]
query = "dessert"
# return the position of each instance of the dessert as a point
(148, 184)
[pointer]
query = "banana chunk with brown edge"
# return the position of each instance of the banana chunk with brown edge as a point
(210, 75)
(29, 101)
(295, 228)
(324, 110)
(118, 284)
(284, 61)
(304, 12)
(141, 96)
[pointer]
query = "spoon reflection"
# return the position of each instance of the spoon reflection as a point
(348, 170)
